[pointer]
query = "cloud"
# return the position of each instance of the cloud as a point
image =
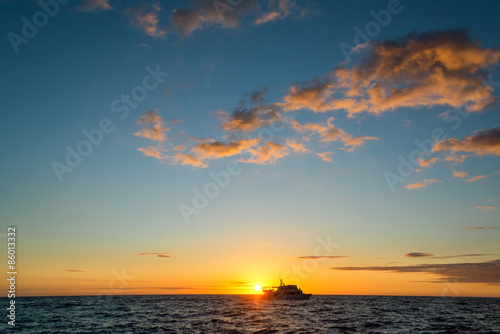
(201, 139)
(174, 121)
(456, 158)
(486, 207)
(249, 119)
(431, 256)
(329, 133)
(75, 271)
(427, 162)
(166, 255)
(151, 151)
(481, 228)
(146, 18)
(480, 272)
(421, 184)
(475, 178)
(209, 13)
(266, 154)
(314, 257)
(278, 10)
(94, 6)
(154, 126)
(252, 114)
(419, 70)
(461, 255)
(326, 156)
(418, 254)
(180, 147)
(217, 149)
(188, 159)
(459, 173)
(480, 143)
(296, 146)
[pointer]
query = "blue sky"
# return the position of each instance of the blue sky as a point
(119, 202)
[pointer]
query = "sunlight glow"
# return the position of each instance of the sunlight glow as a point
(257, 287)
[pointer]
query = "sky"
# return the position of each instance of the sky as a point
(206, 147)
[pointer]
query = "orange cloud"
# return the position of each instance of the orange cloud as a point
(151, 151)
(431, 69)
(216, 149)
(475, 178)
(427, 162)
(486, 207)
(297, 147)
(421, 184)
(266, 154)
(146, 18)
(284, 8)
(155, 128)
(482, 142)
(326, 156)
(188, 159)
(313, 95)
(330, 132)
(459, 173)
(180, 147)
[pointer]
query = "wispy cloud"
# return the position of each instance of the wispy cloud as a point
(277, 10)
(146, 18)
(486, 207)
(421, 184)
(459, 173)
(416, 254)
(427, 162)
(475, 178)
(314, 257)
(268, 153)
(188, 159)
(152, 151)
(207, 13)
(481, 228)
(167, 255)
(461, 255)
(296, 146)
(326, 156)
(479, 272)
(217, 149)
(94, 6)
(329, 133)
(75, 271)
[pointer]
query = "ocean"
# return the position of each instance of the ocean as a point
(247, 314)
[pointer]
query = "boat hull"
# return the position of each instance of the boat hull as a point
(304, 296)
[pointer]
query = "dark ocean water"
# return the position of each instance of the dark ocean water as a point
(246, 314)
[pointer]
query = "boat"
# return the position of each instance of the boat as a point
(284, 292)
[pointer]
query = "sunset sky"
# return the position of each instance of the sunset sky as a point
(194, 147)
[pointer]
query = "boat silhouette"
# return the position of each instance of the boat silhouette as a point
(284, 292)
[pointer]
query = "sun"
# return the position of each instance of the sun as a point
(257, 287)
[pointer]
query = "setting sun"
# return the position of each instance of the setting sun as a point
(257, 287)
